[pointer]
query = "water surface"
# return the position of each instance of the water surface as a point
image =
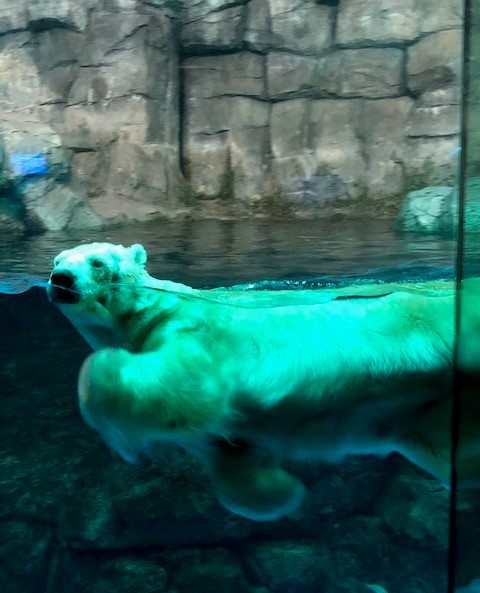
(212, 253)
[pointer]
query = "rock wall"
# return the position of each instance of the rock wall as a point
(215, 107)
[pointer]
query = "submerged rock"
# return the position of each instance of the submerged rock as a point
(436, 209)
(424, 209)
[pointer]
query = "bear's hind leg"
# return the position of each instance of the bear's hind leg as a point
(250, 483)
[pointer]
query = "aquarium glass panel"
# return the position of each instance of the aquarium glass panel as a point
(465, 549)
(254, 393)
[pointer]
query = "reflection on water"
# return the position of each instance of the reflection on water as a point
(212, 253)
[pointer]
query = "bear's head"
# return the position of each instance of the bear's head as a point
(93, 277)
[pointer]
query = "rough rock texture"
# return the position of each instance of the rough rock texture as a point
(76, 519)
(435, 209)
(424, 210)
(47, 201)
(168, 108)
(363, 92)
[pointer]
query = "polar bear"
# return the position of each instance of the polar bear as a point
(245, 380)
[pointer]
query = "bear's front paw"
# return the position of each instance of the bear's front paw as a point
(100, 378)
(106, 404)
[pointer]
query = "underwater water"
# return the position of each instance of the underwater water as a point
(76, 519)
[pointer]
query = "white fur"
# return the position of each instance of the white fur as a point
(244, 380)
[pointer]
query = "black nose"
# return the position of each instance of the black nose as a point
(61, 288)
(62, 279)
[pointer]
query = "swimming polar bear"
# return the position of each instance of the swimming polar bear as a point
(243, 380)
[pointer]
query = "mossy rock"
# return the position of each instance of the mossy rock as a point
(423, 209)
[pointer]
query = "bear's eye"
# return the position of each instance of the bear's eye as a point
(97, 263)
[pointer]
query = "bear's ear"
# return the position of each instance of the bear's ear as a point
(138, 254)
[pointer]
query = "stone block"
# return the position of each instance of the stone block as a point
(127, 6)
(91, 127)
(438, 120)
(224, 114)
(290, 128)
(40, 15)
(126, 77)
(212, 24)
(122, 117)
(317, 138)
(83, 217)
(439, 15)
(362, 23)
(118, 210)
(125, 64)
(13, 16)
(366, 23)
(112, 33)
(439, 97)
(215, 76)
(361, 73)
(137, 171)
(306, 196)
(57, 69)
(61, 208)
(431, 160)
(69, 14)
(360, 142)
(114, 61)
(258, 30)
(434, 62)
(131, 181)
(381, 125)
(90, 171)
(226, 154)
(20, 83)
(206, 160)
(290, 76)
(301, 25)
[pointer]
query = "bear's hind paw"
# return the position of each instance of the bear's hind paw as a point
(264, 494)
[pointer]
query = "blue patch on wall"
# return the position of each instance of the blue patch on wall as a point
(28, 164)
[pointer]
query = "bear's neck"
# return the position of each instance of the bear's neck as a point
(150, 314)
(99, 337)
(131, 328)
(98, 332)
(117, 327)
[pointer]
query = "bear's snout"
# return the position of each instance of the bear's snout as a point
(61, 287)
(62, 279)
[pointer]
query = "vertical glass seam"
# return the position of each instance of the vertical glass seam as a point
(459, 270)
